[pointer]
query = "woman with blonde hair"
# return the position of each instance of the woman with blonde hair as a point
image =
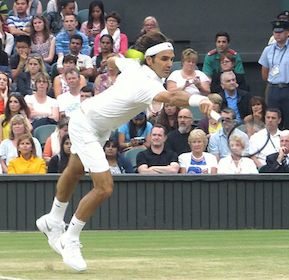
(188, 78)
(8, 147)
(26, 80)
(235, 163)
(150, 23)
(197, 161)
(27, 161)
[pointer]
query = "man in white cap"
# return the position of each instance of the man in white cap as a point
(90, 127)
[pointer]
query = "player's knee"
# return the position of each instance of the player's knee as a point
(106, 189)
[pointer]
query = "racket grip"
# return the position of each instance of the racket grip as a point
(214, 115)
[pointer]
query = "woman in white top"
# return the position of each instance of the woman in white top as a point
(8, 147)
(7, 38)
(43, 108)
(197, 161)
(188, 78)
(234, 163)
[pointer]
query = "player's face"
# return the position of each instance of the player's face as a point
(222, 44)
(161, 63)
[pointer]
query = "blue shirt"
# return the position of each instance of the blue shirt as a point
(63, 41)
(232, 102)
(124, 129)
(274, 55)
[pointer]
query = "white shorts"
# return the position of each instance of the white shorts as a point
(87, 143)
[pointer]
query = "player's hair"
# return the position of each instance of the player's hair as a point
(150, 39)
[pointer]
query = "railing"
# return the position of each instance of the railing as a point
(158, 202)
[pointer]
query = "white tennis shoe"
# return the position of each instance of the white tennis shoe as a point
(51, 229)
(71, 253)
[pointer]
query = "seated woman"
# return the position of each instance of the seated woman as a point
(59, 83)
(227, 63)
(198, 161)
(208, 124)
(235, 163)
(105, 80)
(95, 23)
(26, 80)
(106, 49)
(27, 162)
(120, 40)
(16, 104)
(188, 78)
(117, 163)
(43, 108)
(135, 133)
(55, 6)
(8, 147)
(58, 162)
(52, 144)
(168, 117)
(4, 91)
(42, 41)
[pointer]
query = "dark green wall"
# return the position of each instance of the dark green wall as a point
(157, 202)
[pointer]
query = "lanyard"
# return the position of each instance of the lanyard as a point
(285, 49)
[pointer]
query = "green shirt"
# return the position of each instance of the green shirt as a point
(212, 63)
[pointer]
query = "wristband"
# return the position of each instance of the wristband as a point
(195, 100)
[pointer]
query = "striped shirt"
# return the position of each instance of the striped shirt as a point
(19, 23)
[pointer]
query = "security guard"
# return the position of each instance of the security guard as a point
(275, 69)
(212, 59)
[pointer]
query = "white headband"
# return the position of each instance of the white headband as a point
(159, 48)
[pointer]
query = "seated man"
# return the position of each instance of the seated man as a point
(279, 162)
(177, 140)
(70, 101)
(18, 60)
(19, 24)
(234, 98)
(212, 59)
(84, 62)
(218, 143)
(272, 120)
(157, 159)
(63, 38)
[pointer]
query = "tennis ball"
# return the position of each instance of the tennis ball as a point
(135, 54)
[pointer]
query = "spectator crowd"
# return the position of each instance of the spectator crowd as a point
(52, 60)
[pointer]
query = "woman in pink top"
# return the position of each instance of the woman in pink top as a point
(120, 40)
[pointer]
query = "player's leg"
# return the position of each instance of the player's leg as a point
(69, 243)
(52, 224)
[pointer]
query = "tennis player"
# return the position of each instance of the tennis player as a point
(89, 128)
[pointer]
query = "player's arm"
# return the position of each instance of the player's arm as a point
(181, 98)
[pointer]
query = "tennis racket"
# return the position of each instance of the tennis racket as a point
(247, 139)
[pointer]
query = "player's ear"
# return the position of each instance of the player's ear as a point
(149, 60)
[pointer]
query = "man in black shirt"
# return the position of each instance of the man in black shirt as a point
(157, 159)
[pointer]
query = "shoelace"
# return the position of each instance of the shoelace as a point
(74, 248)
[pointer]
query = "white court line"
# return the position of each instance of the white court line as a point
(11, 278)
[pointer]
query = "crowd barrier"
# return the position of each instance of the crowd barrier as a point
(157, 202)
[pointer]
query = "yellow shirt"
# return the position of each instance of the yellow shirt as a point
(5, 129)
(34, 165)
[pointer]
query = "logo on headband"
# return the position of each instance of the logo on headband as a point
(159, 48)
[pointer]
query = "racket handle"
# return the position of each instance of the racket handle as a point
(214, 115)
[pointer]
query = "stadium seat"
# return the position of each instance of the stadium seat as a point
(82, 15)
(43, 132)
(197, 114)
(131, 155)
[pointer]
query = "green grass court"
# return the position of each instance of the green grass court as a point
(178, 255)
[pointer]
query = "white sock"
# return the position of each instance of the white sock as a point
(74, 229)
(58, 209)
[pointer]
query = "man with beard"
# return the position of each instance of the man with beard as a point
(178, 139)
